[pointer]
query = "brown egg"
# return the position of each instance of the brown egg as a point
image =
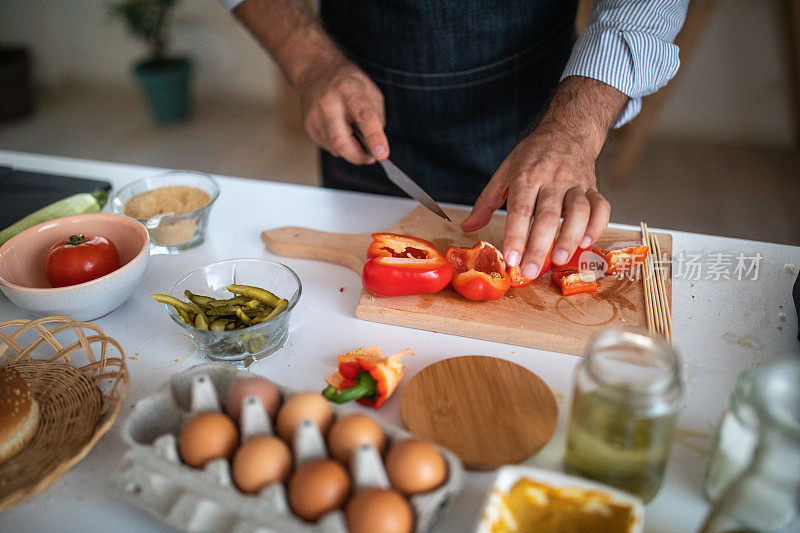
(207, 436)
(304, 406)
(264, 389)
(317, 487)
(415, 466)
(349, 432)
(378, 510)
(260, 461)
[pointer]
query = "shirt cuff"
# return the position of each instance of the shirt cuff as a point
(634, 61)
(230, 4)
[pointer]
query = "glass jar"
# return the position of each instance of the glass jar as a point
(736, 438)
(766, 496)
(625, 401)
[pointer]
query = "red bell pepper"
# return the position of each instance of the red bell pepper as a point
(364, 376)
(400, 265)
(479, 273)
(624, 259)
(574, 262)
(518, 280)
(574, 282)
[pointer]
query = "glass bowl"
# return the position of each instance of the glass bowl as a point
(170, 234)
(240, 347)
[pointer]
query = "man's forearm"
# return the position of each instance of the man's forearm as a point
(292, 35)
(585, 109)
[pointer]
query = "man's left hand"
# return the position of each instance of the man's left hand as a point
(551, 174)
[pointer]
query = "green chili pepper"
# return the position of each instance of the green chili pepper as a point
(231, 311)
(236, 300)
(198, 299)
(262, 295)
(201, 321)
(280, 308)
(190, 307)
(185, 316)
(365, 387)
(218, 325)
(243, 317)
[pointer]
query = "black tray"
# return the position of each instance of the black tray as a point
(24, 192)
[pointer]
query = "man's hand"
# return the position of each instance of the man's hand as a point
(337, 96)
(335, 92)
(551, 174)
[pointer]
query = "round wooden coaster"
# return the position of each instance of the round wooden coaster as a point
(488, 411)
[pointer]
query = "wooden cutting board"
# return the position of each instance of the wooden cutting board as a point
(460, 402)
(536, 316)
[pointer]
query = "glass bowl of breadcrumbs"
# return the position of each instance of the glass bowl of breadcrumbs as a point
(173, 206)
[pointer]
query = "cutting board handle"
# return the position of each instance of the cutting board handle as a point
(346, 249)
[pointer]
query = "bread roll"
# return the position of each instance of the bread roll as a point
(19, 413)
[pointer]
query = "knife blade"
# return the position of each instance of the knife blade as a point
(402, 180)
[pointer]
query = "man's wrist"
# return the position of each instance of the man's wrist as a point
(584, 109)
(293, 36)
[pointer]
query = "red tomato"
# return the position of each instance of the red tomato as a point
(80, 259)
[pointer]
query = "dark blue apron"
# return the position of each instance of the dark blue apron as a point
(463, 81)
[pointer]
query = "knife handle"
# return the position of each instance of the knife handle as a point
(361, 140)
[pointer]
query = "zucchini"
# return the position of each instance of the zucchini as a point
(77, 204)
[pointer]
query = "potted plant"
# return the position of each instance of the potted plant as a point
(165, 80)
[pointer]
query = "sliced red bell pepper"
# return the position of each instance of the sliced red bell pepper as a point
(624, 259)
(400, 265)
(479, 273)
(364, 376)
(518, 280)
(574, 262)
(574, 282)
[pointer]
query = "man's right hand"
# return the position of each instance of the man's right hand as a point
(335, 92)
(337, 96)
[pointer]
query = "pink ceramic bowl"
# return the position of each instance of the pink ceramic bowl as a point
(22, 258)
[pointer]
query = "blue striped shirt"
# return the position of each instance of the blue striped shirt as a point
(627, 44)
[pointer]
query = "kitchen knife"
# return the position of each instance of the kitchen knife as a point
(401, 179)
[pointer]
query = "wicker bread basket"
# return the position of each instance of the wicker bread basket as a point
(78, 376)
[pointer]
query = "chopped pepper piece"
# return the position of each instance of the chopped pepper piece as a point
(574, 282)
(517, 279)
(479, 272)
(624, 259)
(400, 265)
(574, 262)
(364, 376)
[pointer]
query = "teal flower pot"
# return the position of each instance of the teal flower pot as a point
(166, 85)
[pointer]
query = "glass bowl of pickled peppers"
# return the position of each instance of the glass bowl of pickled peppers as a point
(236, 311)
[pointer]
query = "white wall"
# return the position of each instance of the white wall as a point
(736, 84)
(735, 87)
(77, 40)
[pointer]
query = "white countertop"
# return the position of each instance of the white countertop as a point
(721, 328)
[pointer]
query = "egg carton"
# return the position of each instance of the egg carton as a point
(153, 477)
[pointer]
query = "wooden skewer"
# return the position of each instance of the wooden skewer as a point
(648, 293)
(662, 290)
(657, 308)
